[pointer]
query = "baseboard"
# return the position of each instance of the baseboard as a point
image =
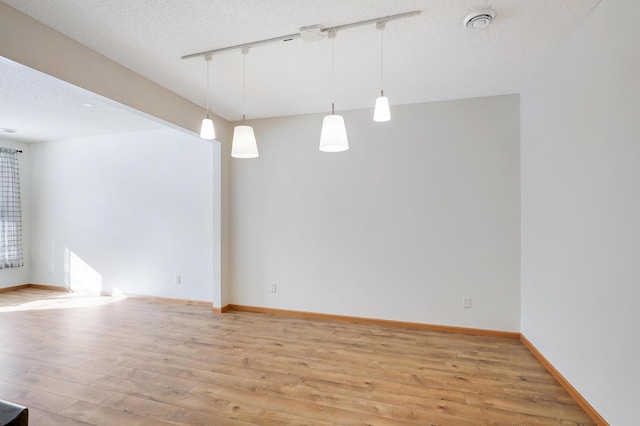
(109, 294)
(221, 310)
(595, 416)
(14, 287)
(373, 321)
(38, 286)
(50, 287)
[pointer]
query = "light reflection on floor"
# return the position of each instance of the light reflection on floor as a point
(60, 300)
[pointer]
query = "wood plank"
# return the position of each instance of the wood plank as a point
(28, 397)
(45, 369)
(541, 408)
(262, 416)
(103, 416)
(44, 418)
(199, 401)
(62, 387)
(165, 412)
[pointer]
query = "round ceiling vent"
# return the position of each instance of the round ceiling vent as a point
(480, 19)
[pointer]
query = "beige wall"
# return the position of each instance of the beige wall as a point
(421, 211)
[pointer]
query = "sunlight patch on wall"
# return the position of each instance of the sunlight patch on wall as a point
(79, 276)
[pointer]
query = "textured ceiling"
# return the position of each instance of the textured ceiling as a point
(40, 107)
(427, 58)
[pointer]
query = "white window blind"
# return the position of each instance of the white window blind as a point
(10, 212)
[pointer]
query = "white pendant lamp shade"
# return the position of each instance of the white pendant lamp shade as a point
(333, 137)
(206, 130)
(381, 111)
(244, 142)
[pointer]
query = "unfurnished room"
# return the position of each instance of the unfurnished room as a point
(412, 212)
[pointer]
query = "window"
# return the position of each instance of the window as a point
(10, 213)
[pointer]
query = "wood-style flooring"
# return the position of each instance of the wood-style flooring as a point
(77, 360)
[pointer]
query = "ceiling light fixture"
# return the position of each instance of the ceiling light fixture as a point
(244, 140)
(207, 131)
(333, 136)
(480, 19)
(381, 111)
(307, 33)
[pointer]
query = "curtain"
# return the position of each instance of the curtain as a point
(10, 213)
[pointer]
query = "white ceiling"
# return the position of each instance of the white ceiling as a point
(429, 57)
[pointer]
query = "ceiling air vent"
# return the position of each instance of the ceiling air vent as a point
(480, 19)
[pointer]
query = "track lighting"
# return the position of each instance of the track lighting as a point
(333, 135)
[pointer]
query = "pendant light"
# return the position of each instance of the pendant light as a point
(381, 111)
(333, 137)
(244, 140)
(206, 130)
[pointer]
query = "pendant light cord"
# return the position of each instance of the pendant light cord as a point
(333, 72)
(208, 59)
(244, 83)
(382, 61)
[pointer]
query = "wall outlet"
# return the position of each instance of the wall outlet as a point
(466, 302)
(178, 279)
(272, 287)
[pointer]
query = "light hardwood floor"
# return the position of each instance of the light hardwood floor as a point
(76, 360)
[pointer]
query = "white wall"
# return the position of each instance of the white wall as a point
(17, 276)
(581, 207)
(129, 212)
(419, 212)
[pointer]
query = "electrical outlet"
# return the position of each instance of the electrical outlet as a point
(178, 279)
(466, 302)
(272, 287)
